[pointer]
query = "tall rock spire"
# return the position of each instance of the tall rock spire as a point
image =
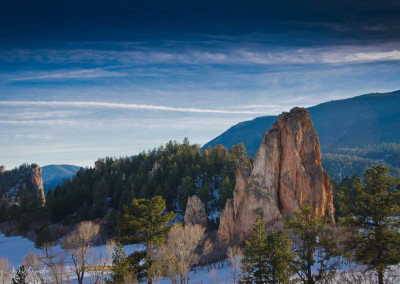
(286, 173)
(37, 181)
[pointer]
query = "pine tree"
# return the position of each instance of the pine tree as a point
(205, 195)
(120, 265)
(145, 222)
(254, 265)
(20, 276)
(313, 242)
(187, 190)
(280, 257)
(372, 220)
(226, 192)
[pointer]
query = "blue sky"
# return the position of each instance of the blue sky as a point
(83, 80)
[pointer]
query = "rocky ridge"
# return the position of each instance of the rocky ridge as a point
(286, 173)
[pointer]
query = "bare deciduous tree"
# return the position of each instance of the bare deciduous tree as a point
(99, 262)
(182, 250)
(235, 255)
(6, 271)
(35, 271)
(53, 260)
(363, 275)
(78, 243)
(159, 265)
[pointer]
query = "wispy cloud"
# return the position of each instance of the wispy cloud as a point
(42, 114)
(224, 55)
(142, 123)
(81, 104)
(44, 122)
(64, 74)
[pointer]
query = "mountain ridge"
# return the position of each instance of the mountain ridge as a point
(251, 131)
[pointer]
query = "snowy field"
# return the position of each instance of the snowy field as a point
(15, 249)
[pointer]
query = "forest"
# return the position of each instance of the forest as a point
(175, 172)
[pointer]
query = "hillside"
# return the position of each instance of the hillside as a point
(53, 175)
(371, 119)
(21, 191)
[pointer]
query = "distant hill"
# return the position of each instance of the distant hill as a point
(54, 174)
(370, 119)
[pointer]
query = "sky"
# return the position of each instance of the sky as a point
(82, 80)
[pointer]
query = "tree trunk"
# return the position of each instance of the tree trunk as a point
(380, 276)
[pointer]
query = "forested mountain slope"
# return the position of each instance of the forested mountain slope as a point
(175, 171)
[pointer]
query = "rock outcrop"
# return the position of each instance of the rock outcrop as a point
(195, 212)
(2, 169)
(156, 167)
(37, 181)
(286, 173)
(21, 182)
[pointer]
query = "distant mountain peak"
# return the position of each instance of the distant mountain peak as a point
(54, 175)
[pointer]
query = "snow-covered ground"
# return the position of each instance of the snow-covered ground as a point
(14, 248)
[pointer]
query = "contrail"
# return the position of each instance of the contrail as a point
(81, 104)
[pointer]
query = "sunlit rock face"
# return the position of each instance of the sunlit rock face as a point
(37, 181)
(286, 173)
(195, 212)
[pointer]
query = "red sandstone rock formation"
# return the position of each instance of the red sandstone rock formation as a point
(195, 212)
(37, 181)
(287, 173)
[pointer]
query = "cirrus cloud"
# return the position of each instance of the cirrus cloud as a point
(83, 104)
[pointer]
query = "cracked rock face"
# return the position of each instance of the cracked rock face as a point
(286, 173)
(195, 212)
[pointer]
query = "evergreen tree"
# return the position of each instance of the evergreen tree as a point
(187, 190)
(145, 222)
(120, 265)
(372, 220)
(24, 223)
(205, 195)
(344, 189)
(280, 258)
(43, 235)
(313, 245)
(225, 193)
(254, 265)
(20, 276)
(100, 193)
